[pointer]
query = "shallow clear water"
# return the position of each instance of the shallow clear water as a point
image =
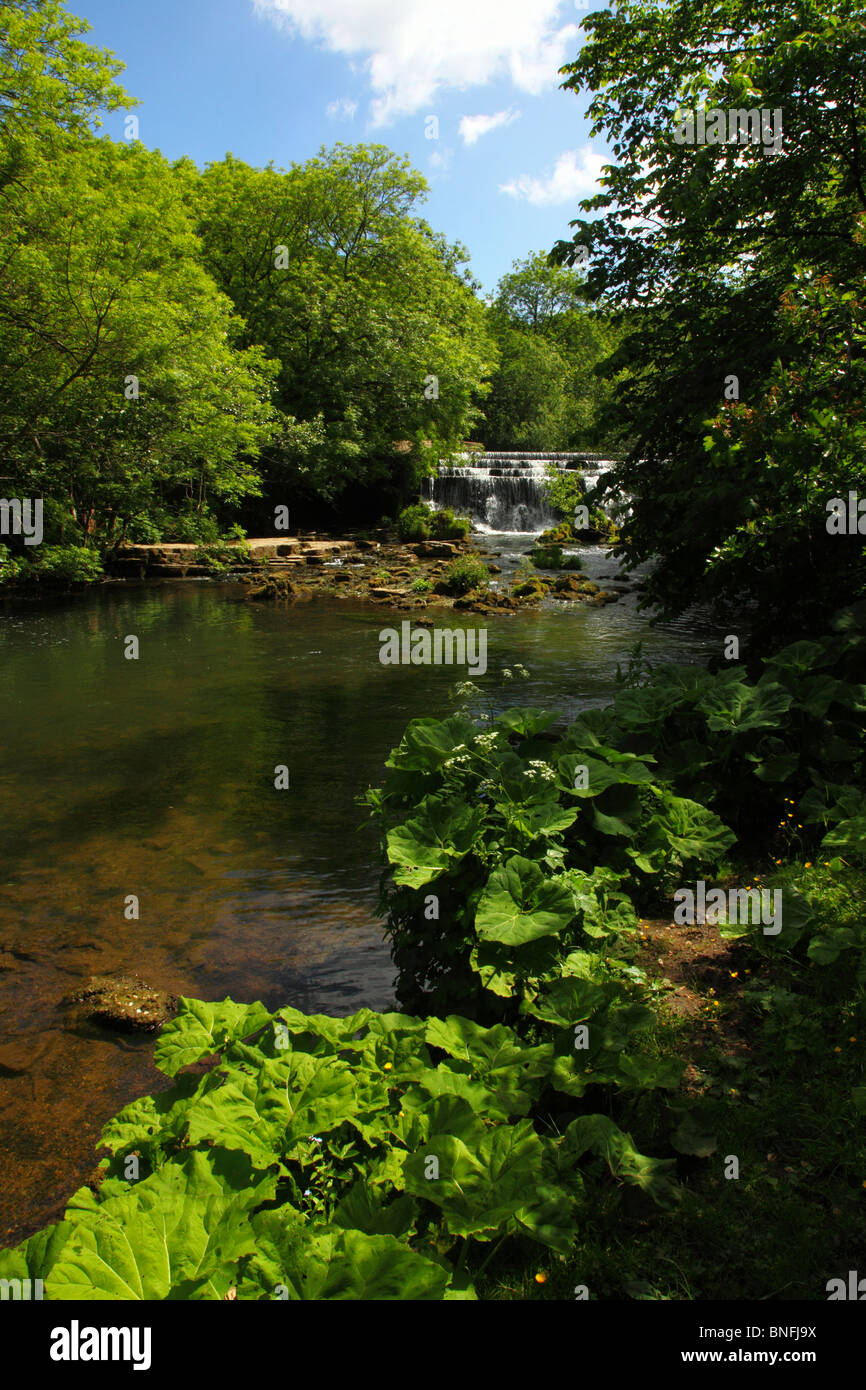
(156, 778)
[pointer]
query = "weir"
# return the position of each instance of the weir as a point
(504, 491)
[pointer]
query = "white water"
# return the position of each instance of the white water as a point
(504, 492)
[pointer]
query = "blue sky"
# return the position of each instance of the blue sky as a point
(277, 79)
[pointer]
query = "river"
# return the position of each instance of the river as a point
(155, 778)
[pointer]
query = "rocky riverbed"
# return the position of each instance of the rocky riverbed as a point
(378, 568)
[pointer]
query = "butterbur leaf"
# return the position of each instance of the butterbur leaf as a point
(741, 708)
(526, 722)
(566, 1002)
(200, 1030)
(332, 1264)
(362, 1208)
(649, 1073)
(490, 962)
(482, 1186)
(428, 743)
(691, 831)
(600, 1135)
(496, 1050)
(36, 1257)
(176, 1228)
(520, 904)
(443, 830)
(826, 947)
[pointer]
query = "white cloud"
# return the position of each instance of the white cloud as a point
(440, 164)
(342, 109)
(473, 127)
(575, 175)
(413, 50)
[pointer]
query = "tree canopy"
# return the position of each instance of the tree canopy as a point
(742, 271)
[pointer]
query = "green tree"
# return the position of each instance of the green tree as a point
(742, 271)
(380, 337)
(547, 393)
(52, 85)
(125, 405)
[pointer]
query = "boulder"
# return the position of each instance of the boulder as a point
(124, 1002)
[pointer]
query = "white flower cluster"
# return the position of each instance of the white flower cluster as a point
(485, 742)
(466, 690)
(540, 772)
(458, 758)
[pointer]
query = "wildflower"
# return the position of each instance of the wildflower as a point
(733, 974)
(540, 772)
(837, 1049)
(388, 1066)
(541, 1278)
(852, 1039)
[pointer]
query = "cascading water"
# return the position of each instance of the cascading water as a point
(504, 491)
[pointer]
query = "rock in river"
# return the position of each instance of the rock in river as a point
(124, 1002)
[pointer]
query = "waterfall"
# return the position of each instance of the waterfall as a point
(504, 491)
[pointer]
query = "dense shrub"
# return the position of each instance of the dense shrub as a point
(413, 523)
(463, 574)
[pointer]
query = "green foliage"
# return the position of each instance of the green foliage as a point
(73, 563)
(448, 527)
(465, 573)
(566, 490)
(413, 523)
(372, 1157)
(419, 522)
(222, 556)
(508, 827)
(545, 392)
(362, 306)
(550, 557)
(747, 265)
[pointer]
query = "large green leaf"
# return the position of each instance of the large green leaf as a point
(172, 1232)
(689, 831)
(428, 743)
(599, 1134)
(520, 904)
(334, 1264)
(740, 707)
(200, 1030)
(526, 722)
(442, 831)
(485, 1185)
